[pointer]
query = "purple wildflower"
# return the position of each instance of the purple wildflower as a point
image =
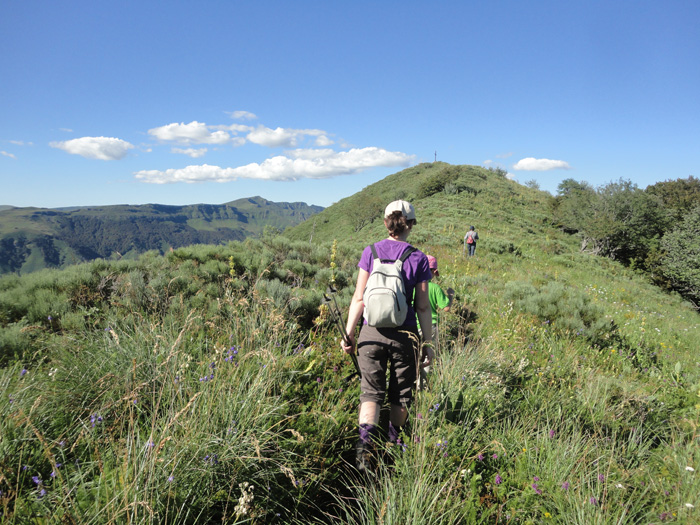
(23, 372)
(318, 380)
(535, 478)
(536, 489)
(565, 485)
(601, 477)
(495, 456)
(170, 479)
(36, 479)
(551, 433)
(480, 457)
(42, 493)
(498, 479)
(593, 501)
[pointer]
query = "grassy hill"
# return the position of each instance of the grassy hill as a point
(36, 238)
(207, 384)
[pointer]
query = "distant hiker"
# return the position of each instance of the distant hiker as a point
(439, 300)
(397, 346)
(470, 240)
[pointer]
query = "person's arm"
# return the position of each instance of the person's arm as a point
(355, 312)
(450, 297)
(422, 306)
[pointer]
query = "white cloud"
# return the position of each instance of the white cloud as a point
(283, 137)
(312, 164)
(192, 133)
(21, 143)
(323, 141)
(191, 152)
(504, 155)
(101, 148)
(532, 164)
(488, 162)
(6, 154)
(243, 115)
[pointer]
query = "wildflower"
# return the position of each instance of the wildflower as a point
(23, 372)
(36, 479)
(690, 505)
(547, 515)
(565, 485)
(495, 456)
(170, 479)
(535, 478)
(419, 416)
(620, 486)
(593, 501)
(49, 318)
(318, 380)
(690, 469)
(601, 477)
(42, 493)
(551, 433)
(480, 457)
(535, 488)
(498, 479)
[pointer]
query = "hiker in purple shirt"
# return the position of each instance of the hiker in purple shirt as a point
(400, 346)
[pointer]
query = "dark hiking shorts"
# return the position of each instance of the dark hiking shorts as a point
(378, 347)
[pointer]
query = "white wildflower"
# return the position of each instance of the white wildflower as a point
(690, 505)
(690, 469)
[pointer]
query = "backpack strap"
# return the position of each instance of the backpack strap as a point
(407, 252)
(374, 251)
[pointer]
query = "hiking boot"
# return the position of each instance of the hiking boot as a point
(364, 458)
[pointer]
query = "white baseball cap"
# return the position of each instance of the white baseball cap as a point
(406, 208)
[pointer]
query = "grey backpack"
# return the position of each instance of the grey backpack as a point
(386, 304)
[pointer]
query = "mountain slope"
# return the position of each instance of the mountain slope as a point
(35, 238)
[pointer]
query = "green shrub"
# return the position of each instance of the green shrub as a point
(567, 309)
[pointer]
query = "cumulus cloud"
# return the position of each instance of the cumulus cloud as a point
(243, 115)
(6, 154)
(532, 164)
(191, 152)
(323, 140)
(101, 148)
(301, 163)
(192, 133)
(282, 137)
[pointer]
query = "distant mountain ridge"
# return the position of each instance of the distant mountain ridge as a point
(36, 238)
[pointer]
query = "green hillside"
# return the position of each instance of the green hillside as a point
(36, 238)
(207, 384)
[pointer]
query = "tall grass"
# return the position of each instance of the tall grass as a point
(207, 386)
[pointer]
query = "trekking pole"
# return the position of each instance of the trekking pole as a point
(337, 316)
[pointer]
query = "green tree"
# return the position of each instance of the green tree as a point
(680, 263)
(679, 196)
(625, 222)
(572, 205)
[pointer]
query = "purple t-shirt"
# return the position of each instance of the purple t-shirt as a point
(415, 269)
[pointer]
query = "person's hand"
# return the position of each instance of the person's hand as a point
(427, 355)
(348, 346)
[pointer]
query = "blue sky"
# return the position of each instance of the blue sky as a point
(133, 102)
